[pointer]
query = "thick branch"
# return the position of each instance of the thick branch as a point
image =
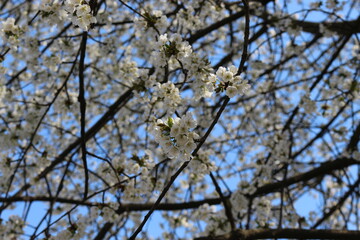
(286, 233)
(341, 28)
(126, 207)
(203, 32)
(324, 168)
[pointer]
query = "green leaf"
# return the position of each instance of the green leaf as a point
(170, 122)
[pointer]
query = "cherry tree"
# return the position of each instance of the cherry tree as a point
(199, 119)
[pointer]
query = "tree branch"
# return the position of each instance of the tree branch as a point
(286, 233)
(324, 168)
(82, 102)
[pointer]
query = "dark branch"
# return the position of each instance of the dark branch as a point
(82, 102)
(286, 233)
(324, 168)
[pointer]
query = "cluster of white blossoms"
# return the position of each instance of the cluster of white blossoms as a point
(3, 95)
(201, 165)
(188, 19)
(47, 6)
(125, 165)
(74, 230)
(10, 32)
(239, 203)
(52, 62)
(80, 14)
(151, 19)
(173, 48)
(175, 137)
(167, 95)
(263, 211)
(205, 82)
(235, 84)
(11, 228)
(53, 11)
(128, 71)
(67, 101)
(217, 223)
